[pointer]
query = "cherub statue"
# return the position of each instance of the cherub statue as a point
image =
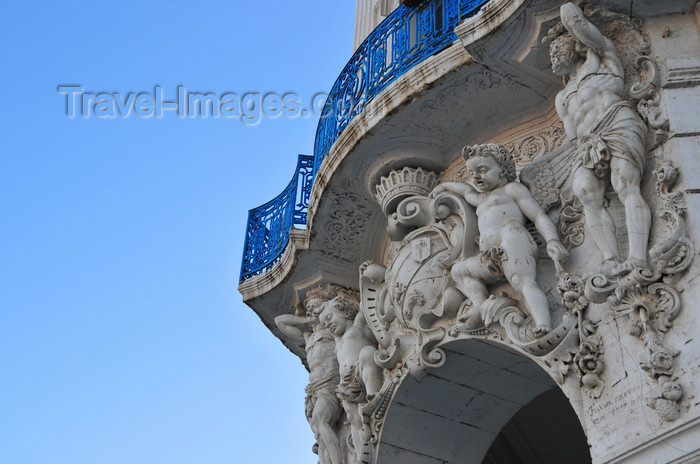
(610, 136)
(507, 250)
(322, 405)
(360, 377)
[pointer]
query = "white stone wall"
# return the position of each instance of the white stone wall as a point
(368, 14)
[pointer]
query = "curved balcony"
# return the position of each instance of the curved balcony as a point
(404, 39)
(267, 232)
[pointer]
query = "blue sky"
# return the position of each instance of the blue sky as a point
(123, 337)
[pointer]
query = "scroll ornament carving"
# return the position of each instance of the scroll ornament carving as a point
(532, 146)
(647, 299)
(585, 359)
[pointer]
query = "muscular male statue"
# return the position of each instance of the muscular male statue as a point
(360, 377)
(609, 133)
(322, 405)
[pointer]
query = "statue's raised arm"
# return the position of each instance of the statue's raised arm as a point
(585, 32)
(297, 328)
(459, 188)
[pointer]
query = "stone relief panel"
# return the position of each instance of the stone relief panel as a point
(530, 147)
(480, 81)
(345, 227)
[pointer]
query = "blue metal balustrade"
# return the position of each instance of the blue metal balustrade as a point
(268, 228)
(405, 38)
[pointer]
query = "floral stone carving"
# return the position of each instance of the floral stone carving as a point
(346, 225)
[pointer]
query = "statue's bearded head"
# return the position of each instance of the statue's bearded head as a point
(313, 308)
(563, 54)
(315, 298)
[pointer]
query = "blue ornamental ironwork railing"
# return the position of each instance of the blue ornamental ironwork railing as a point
(405, 38)
(268, 227)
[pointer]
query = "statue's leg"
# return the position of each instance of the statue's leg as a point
(309, 406)
(370, 372)
(590, 190)
(324, 419)
(355, 419)
(520, 270)
(469, 279)
(625, 178)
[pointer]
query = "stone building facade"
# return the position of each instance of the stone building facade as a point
(494, 252)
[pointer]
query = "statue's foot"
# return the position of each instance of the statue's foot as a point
(466, 309)
(609, 266)
(628, 266)
(471, 322)
(542, 329)
(374, 400)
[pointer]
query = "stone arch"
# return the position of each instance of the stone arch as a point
(486, 404)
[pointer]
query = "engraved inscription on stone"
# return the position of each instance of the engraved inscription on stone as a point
(603, 410)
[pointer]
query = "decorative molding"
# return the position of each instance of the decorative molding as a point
(682, 72)
(491, 16)
(262, 283)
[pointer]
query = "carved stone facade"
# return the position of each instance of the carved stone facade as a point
(559, 252)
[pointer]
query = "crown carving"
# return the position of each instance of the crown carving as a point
(402, 184)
